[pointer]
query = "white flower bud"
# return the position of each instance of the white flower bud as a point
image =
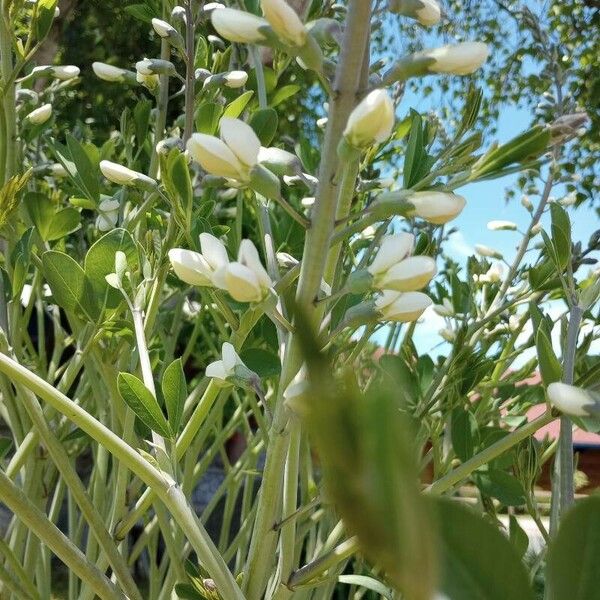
(402, 306)
(411, 274)
(427, 12)
(447, 334)
(238, 25)
(393, 249)
(163, 29)
(572, 400)
(191, 267)
(109, 72)
(235, 79)
(487, 251)
(458, 59)
(222, 369)
(64, 72)
(154, 66)
(568, 200)
(502, 226)
(40, 115)
(371, 121)
(57, 170)
(278, 161)
(215, 157)
(108, 215)
(526, 203)
(536, 229)
(124, 176)
(322, 122)
(296, 391)
(284, 21)
(436, 207)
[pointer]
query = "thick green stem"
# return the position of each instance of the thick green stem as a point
(164, 486)
(346, 88)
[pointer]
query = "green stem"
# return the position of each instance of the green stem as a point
(490, 453)
(166, 489)
(190, 80)
(17, 501)
(264, 537)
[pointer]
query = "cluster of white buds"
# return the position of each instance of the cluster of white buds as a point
(246, 280)
(40, 115)
(371, 121)
(400, 275)
(492, 275)
(122, 175)
(427, 12)
(281, 26)
(232, 156)
(394, 269)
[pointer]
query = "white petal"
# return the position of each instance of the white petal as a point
(214, 156)
(214, 251)
(242, 283)
(230, 357)
(190, 266)
(411, 274)
(248, 256)
(241, 140)
(393, 249)
(216, 370)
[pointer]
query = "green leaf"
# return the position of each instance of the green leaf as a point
(207, 117)
(517, 536)
(45, 15)
(550, 367)
(235, 108)
(141, 12)
(63, 222)
(88, 173)
(369, 583)
(68, 283)
(572, 569)
(186, 591)
(414, 148)
(463, 432)
(141, 401)
(264, 122)
(501, 485)
(283, 93)
(477, 561)
(21, 259)
(561, 234)
(141, 117)
(174, 389)
(100, 261)
(41, 211)
(262, 362)
(179, 174)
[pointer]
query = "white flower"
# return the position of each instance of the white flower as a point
(246, 280)
(502, 226)
(197, 268)
(487, 251)
(322, 122)
(445, 309)
(123, 175)
(40, 115)
(232, 156)
(393, 249)
(57, 170)
(285, 21)
(238, 25)
(572, 400)
(492, 275)
(458, 59)
(109, 72)
(447, 334)
(163, 29)
(235, 79)
(402, 306)
(108, 215)
(222, 369)
(427, 12)
(371, 121)
(436, 207)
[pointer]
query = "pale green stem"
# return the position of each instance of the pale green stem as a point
(166, 489)
(17, 501)
(264, 537)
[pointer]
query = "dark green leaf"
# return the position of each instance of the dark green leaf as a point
(262, 362)
(235, 108)
(517, 536)
(572, 568)
(550, 367)
(477, 561)
(264, 122)
(561, 234)
(463, 433)
(141, 401)
(45, 16)
(501, 485)
(207, 117)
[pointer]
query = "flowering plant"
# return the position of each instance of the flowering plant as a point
(202, 293)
